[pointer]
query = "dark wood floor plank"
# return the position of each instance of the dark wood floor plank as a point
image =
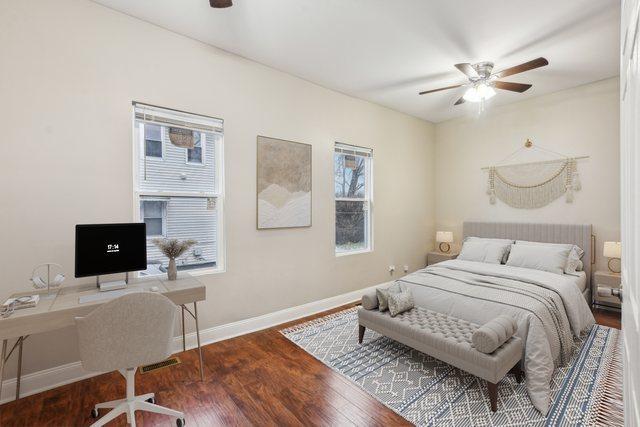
(259, 379)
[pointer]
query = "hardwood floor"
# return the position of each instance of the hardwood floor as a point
(257, 379)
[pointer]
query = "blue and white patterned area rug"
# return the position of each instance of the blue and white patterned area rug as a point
(426, 391)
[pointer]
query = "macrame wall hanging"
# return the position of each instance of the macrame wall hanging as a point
(533, 184)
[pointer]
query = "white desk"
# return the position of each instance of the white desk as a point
(60, 310)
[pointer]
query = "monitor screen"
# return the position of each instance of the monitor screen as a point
(110, 248)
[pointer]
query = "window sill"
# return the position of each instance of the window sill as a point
(358, 252)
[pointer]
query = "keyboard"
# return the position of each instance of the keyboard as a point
(101, 296)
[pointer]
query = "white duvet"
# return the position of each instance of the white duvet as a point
(548, 307)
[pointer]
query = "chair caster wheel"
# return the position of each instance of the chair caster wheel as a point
(94, 413)
(152, 400)
(180, 422)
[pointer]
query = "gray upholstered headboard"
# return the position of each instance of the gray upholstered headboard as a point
(577, 234)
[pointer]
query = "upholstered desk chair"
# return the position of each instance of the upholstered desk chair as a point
(133, 330)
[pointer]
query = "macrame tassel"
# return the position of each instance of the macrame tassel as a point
(569, 195)
(577, 185)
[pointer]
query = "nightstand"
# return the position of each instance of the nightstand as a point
(610, 280)
(435, 257)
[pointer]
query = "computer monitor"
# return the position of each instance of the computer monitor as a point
(110, 248)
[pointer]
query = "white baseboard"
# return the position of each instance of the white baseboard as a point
(47, 379)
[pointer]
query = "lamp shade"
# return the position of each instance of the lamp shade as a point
(612, 250)
(444, 236)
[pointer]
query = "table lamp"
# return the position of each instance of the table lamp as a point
(612, 250)
(444, 238)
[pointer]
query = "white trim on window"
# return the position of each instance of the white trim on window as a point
(367, 155)
(202, 162)
(216, 125)
(144, 142)
(163, 215)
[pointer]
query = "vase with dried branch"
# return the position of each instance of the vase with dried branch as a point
(172, 249)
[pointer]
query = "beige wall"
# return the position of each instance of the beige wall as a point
(70, 71)
(579, 121)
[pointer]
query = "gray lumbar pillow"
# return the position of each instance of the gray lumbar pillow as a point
(383, 295)
(488, 337)
(400, 302)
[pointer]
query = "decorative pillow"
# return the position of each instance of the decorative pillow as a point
(488, 337)
(506, 242)
(573, 260)
(400, 302)
(482, 251)
(539, 257)
(384, 293)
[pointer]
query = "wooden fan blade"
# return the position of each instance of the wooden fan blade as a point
(513, 87)
(460, 101)
(219, 4)
(438, 90)
(536, 63)
(468, 70)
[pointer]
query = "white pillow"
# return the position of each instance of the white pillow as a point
(506, 242)
(482, 251)
(539, 257)
(573, 260)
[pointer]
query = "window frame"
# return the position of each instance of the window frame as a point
(367, 199)
(218, 194)
(203, 138)
(163, 215)
(144, 143)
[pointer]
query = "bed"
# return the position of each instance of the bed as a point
(550, 308)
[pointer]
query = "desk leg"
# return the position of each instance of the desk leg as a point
(195, 311)
(3, 357)
(19, 375)
(184, 339)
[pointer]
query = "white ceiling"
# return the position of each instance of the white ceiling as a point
(386, 51)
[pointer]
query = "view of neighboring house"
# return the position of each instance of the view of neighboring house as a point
(173, 186)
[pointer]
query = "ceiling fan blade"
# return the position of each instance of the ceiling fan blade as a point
(513, 87)
(536, 63)
(468, 70)
(438, 90)
(460, 101)
(219, 4)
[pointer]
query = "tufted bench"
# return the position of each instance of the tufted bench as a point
(448, 339)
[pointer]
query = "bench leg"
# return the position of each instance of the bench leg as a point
(493, 395)
(517, 372)
(361, 330)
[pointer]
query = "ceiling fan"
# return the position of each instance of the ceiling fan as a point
(482, 83)
(219, 4)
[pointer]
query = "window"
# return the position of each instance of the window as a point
(353, 190)
(153, 141)
(154, 214)
(195, 154)
(176, 200)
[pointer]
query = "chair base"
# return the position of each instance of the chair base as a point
(131, 404)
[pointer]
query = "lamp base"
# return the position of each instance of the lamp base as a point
(609, 265)
(446, 245)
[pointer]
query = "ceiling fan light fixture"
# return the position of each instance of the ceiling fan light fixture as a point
(479, 92)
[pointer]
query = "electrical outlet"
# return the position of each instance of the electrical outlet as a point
(406, 268)
(392, 268)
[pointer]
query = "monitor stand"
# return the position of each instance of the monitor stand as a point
(112, 286)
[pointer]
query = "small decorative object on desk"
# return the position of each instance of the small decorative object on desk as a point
(172, 249)
(40, 283)
(18, 303)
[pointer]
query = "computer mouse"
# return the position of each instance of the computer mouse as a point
(154, 289)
